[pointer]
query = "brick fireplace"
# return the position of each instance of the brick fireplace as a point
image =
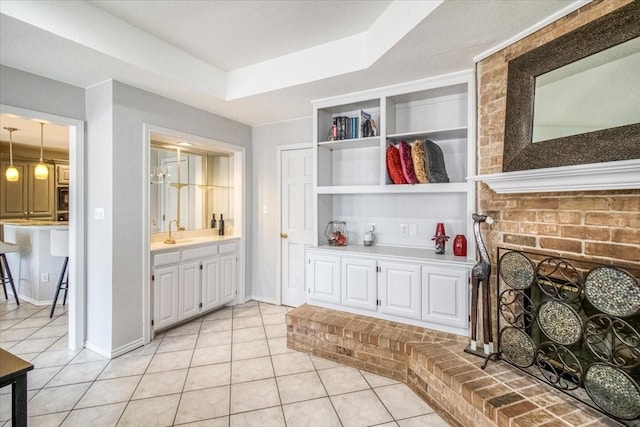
(600, 226)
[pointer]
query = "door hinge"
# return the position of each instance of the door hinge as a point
(151, 322)
(153, 277)
(200, 305)
(163, 217)
(378, 302)
(309, 261)
(200, 266)
(309, 291)
(379, 269)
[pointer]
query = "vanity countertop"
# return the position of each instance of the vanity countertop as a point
(181, 243)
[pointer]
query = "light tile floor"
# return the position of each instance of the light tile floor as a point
(230, 367)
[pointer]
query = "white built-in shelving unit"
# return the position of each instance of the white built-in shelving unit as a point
(399, 278)
(351, 181)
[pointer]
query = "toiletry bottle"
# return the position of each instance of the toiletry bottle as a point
(221, 227)
(214, 223)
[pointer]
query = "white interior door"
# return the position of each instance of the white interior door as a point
(296, 226)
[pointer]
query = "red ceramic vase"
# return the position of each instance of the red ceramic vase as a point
(460, 245)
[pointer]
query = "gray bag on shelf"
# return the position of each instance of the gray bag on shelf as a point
(434, 159)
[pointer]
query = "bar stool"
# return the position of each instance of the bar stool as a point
(60, 247)
(5, 271)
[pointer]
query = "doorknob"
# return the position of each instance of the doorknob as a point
(284, 235)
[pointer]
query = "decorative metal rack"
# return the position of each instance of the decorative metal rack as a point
(575, 325)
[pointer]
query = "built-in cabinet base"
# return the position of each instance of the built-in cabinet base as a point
(192, 280)
(421, 291)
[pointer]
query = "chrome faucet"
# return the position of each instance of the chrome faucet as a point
(171, 240)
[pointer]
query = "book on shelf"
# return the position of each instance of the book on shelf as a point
(345, 127)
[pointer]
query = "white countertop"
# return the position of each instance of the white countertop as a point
(192, 241)
(35, 223)
(418, 254)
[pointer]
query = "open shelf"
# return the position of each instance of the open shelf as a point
(450, 187)
(351, 181)
(438, 134)
(349, 144)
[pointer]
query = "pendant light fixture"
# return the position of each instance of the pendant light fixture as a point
(41, 171)
(11, 173)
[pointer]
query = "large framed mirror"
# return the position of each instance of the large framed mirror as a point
(189, 186)
(576, 100)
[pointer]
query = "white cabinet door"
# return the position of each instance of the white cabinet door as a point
(445, 296)
(323, 278)
(400, 289)
(189, 297)
(228, 276)
(211, 285)
(165, 296)
(359, 283)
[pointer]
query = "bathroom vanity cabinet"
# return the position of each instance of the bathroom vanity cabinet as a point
(191, 279)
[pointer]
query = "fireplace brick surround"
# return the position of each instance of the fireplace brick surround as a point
(599, 226)
(435, 366)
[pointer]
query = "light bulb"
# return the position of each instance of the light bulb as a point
(41, 171)
(12, 174)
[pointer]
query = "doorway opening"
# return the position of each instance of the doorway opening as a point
(75, 212)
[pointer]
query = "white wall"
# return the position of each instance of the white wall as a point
(265, 228)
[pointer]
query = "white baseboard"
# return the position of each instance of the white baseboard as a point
(265, 300)
(97, 349)
(32, 301)
(127, 348)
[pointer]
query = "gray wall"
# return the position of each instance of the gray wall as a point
(32, 92)
(266, 228)
(131, 108)
(99, 248)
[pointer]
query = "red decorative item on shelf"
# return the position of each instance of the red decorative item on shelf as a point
(460, 245)
(440, 238)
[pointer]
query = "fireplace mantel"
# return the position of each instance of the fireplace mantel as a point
(620, 175)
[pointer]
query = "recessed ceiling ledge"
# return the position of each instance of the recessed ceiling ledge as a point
(621, 175)
(346, 55)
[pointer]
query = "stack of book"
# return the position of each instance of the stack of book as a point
(352, 127)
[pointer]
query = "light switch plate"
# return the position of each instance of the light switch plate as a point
(403, 230)
(98, 214)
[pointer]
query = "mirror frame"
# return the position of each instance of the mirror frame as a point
(606, 145)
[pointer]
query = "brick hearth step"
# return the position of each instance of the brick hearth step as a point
(436, 367)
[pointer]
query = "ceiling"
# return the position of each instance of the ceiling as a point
(257, 62)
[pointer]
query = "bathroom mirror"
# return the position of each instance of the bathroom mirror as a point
(547, 122)
(188, 186)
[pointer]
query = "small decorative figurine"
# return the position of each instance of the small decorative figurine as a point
(440, 238)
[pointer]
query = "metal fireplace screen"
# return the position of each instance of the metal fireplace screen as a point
(573, 324)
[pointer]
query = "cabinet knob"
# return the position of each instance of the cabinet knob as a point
(284, 235)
